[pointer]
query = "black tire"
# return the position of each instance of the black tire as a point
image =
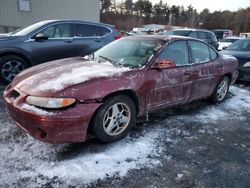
(107, 123)
(221, 90)
(10, 66)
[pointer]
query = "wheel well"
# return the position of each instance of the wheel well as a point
(229, 76)
(128, 93)
(16, 54)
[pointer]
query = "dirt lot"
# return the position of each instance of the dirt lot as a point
(197, 145)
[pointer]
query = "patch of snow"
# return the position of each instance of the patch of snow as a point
(239, 101)
(179, 175)
(77, 75)
(34, 159)
(112, 161)
(35, 110)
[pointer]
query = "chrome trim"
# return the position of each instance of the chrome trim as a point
(111, 31)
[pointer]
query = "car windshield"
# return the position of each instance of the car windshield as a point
(29, 29)
(128, 52)
(178, 32)
(240, 45)
(229, 40)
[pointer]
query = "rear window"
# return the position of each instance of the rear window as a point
(229, 40)
(85, 30)
(202, 35)
(213, 54)
(179, 32)
(102, 31)
(200, 52)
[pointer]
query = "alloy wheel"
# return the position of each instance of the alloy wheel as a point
(222, 90)
(116, 119)
(11, 68)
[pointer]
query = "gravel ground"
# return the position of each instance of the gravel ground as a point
(196, 145)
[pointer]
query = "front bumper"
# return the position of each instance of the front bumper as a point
(244, 74)
(61, 126)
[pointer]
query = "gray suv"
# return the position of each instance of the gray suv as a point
(50, 40)
(201, 34)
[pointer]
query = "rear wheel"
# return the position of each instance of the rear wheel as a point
(114, 119)
(221, 90)
(10, 66)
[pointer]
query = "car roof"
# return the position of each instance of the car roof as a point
(161, 37)
(75, 21)
(221, 30)
(233, 37)
(245, 39)
(190, 29)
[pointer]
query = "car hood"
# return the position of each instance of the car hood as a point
(7, 37)
(241, 56)
(237, 54)
(50, 78)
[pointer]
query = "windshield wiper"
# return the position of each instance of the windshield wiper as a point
(109, 60)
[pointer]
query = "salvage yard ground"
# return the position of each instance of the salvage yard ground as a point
(197, 145)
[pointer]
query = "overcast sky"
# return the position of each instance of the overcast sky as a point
(212, 5)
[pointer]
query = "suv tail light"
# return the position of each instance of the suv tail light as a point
(120, 35)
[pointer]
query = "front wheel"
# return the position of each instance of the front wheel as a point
(10, 66)
(114, 119)
(221, 90)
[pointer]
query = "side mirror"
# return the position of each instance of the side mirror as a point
(163, 64)
(41, 37)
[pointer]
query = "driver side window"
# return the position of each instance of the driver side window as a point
(57, 31)
(177, 52)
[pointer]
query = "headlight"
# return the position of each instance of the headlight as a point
(247, 64)
(51, 103)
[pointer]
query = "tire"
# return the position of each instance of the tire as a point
(10, 66)
(114, 119)
(220, 91)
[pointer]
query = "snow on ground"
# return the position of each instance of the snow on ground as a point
(239, 102)
(26, 161)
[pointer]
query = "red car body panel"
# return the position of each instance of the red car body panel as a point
(151, 89)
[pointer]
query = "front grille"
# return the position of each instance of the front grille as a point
(14, 94)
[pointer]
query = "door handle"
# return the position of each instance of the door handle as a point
(187, 73)
(68, 41)
(97, 40)
(220, 66)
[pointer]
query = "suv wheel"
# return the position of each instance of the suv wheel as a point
(10, 66)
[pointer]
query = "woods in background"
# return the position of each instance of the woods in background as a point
(129, 14)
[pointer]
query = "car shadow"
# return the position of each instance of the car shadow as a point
(92, 145)
(242, 83)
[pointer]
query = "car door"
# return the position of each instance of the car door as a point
(87, 39)
(171, 85)
(59, 44)
(204, 69)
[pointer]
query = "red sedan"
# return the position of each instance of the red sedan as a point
(64, 100)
